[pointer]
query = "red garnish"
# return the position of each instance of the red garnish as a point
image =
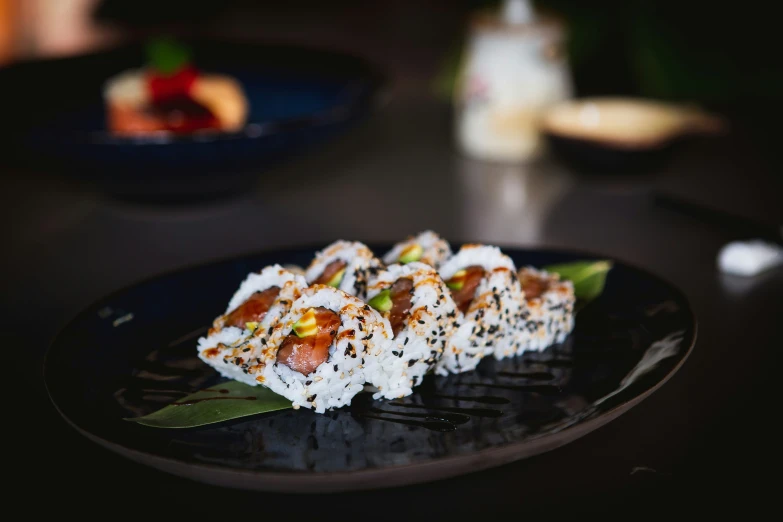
(177, 85)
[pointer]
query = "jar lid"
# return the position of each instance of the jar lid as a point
(516, 17)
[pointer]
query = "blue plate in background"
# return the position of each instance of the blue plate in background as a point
(298, 97)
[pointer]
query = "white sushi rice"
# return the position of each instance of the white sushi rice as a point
(494, 319)
(273, 275)
(435, 249)
(224, 347)
(550, 316)
(362, 336)
(419, 346)
(361, 263)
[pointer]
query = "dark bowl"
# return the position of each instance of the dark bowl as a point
(621, 135)
(595, 157)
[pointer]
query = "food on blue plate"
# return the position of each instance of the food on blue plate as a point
(423, 317)
(427, 247)
(170, 95)
(352, 324)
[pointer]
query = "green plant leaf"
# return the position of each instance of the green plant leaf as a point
(167, 56)
(221, 402)
(589, 277)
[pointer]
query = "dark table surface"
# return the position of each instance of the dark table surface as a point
(705, 437)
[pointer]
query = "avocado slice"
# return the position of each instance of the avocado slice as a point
(306, 325)
(411, 253)
(382, 302)
(457, 281)
(336, 279)
(252, 325)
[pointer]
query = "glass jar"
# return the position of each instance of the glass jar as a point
(511, 72)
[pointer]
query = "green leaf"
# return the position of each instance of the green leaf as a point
(167, 56)
(221, 402)
(588, 277)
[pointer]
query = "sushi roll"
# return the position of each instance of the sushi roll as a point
(422, 315)
(318, 355)
(486, 290)
(261, 300)
(550, 308)
(345, 265)
(428, 247)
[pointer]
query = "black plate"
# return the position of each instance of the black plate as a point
(103, 367)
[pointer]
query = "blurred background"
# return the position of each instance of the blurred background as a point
(477, 98)
(669, 49)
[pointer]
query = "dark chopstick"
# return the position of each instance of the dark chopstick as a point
(748, 228)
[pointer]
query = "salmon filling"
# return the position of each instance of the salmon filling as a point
(332, 273)
(463, 286)
(254, 309)
(534, 287)
(305, 354)
(400, 294)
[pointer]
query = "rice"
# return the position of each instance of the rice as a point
(361, 336)
(433, 249)
(550, 315)
(495, 316)
(361, 263)
(424, 333)
(225, 347)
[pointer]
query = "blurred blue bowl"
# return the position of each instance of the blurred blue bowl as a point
(298, 97)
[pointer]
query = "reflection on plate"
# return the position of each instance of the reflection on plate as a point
(134, 352)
